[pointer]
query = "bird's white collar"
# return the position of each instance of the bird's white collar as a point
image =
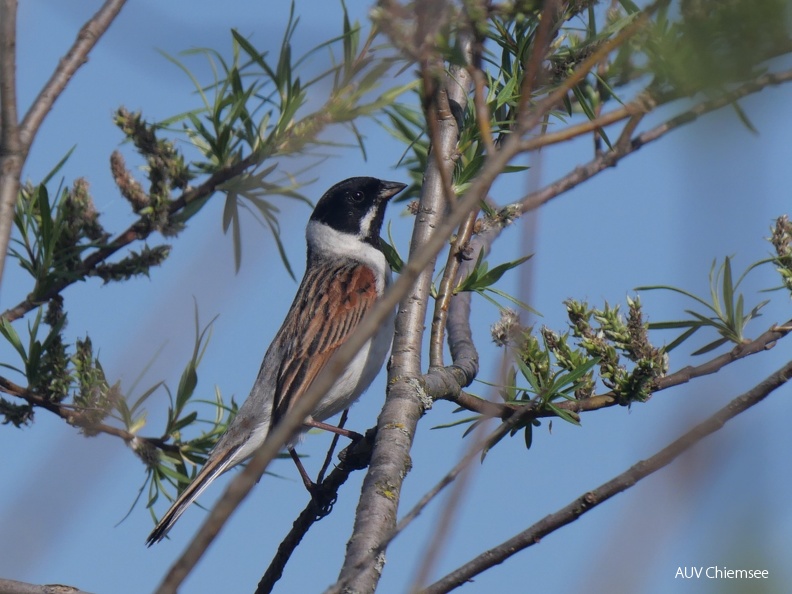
(325, 240)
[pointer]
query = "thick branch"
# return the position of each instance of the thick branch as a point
(620, 483)
(376, 512)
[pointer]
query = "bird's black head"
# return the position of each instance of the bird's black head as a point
(357, 206)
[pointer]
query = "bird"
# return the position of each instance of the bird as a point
(346, 272)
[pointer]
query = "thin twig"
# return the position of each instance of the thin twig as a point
(356, 456)
(445, 290)
(78, 418)
(611, 158)
(329, 456)
(618, 484)
(541, 44)
(77, 55)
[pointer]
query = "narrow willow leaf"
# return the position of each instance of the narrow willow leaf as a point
(711, 346)
(564, 414)
(681, 338)
(457, 423)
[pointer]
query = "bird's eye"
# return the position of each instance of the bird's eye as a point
(356, 197)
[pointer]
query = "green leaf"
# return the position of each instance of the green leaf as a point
(184, 422)
(681, 338)
(494, 275)
(528, 436)
(728, 290)
(675, 290)
(571, 378)
(566, 415)
(711, 346)
(54, 171)
(10, 334)
(458, 422)
(744, 118)
(391, 255)
(144, 397)
(187, 384)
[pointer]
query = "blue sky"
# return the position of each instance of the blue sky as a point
(709, 190)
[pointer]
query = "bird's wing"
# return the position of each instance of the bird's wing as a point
(330, 303)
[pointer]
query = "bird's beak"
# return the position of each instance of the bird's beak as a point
(389, 189)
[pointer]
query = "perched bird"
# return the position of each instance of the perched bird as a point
(346, 273)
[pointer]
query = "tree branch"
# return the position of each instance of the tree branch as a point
(356, 456)
(77, 55)
(376, 512)
(14, 153)
(763, 342)
(622, 482)
(14, 587)
(11, 151)
(77, 418)
(621, 150)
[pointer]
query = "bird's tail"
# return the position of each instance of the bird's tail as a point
(211, 470)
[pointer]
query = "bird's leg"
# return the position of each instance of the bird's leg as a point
(322, 500)
(309, 484)
(354, 436)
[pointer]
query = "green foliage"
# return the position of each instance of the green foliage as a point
(481, 280)
(715, 42)
(252, 114)
(552, 368)
(395, 261)
(610, 338)
(55, 374)
(44, 360)
(135, 264)
(725, 311)
(166, 171)
(781, 239)
(173, 459)
(52, 233)
(94, 397)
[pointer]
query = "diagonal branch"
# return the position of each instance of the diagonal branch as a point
(77, 55)
(77, 418)
(621, 150)
(618, 484)
(356, 456)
